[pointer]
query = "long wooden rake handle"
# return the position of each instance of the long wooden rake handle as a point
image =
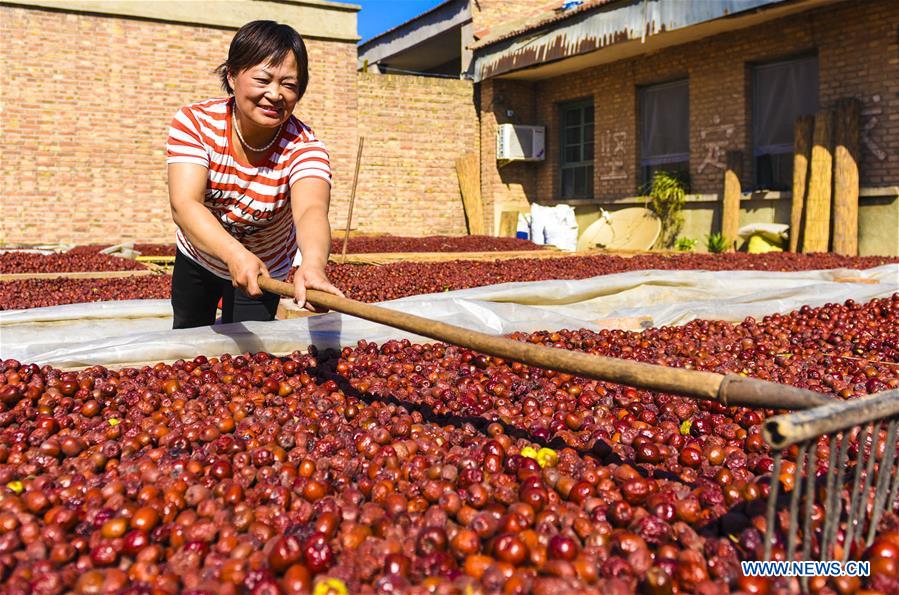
(731, 389)
(785, 430)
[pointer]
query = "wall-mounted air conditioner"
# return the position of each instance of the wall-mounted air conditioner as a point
(520, 143)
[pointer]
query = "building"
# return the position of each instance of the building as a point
(90, 88)
(621, 88)
(625, 87)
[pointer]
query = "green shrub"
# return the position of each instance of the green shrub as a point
(667, 196)
(684, 244)
(716, 243)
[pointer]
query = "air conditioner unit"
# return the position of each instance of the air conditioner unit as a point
(520, 143)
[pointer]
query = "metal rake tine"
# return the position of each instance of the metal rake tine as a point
(811, 472)
(835, 509)
(854, 493)
(869, 477)
(810, 483)
(828, 494)
(891, 499)
(883, 479)
(770, 519)
(793, 529)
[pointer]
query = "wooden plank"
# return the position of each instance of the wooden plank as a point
(508, 224)
(802, 148)
(79, 275)
(468, 168)
(730, 216)
(816, 237)
(845, 176)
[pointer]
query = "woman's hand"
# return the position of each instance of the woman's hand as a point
(311, 278)
(245, 268)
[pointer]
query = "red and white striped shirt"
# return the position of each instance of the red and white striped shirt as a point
(251, 202)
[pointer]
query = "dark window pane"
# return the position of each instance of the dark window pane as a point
(665, 122)
(774, 171)
(576, 152)
(680, 169)
(567, 183)
(781, 92)
(580, 181)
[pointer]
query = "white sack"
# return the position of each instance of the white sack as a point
(554, 225)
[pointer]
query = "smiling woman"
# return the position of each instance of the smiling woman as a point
(249, 184)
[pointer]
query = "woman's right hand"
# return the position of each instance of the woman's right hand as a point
(245, 267)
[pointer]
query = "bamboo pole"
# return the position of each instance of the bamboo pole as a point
(730, 216)
(845, 177)
(802, 148)
(817, 211)
(349, 217)
(785, 430)
(732, 389)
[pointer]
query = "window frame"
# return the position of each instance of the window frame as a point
(785, 151)
(584, 106)
(648, 165)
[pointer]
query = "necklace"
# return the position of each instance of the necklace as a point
(245, 143)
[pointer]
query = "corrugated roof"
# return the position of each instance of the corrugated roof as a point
(552, 13)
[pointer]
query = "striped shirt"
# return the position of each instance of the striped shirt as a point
(252, 203)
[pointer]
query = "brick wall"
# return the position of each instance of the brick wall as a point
(858, 55)
(486, 15)
(415, 128)
(86, 103)
(506, 188)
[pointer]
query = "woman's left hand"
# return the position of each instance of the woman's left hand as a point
(311, 278)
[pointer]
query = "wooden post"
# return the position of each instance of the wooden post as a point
(468, 168)
(845, 177)
(817, 211)
(508, 224)
(349, 217)
(802, 147)
(730, 217)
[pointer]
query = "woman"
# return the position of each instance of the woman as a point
(248, 185)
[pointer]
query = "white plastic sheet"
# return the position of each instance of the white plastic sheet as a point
(124, 333)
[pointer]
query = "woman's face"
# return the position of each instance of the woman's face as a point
(266, 94)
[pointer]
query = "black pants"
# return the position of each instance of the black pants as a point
(196, 292)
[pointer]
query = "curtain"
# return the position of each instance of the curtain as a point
(781, 92)
(665, 118)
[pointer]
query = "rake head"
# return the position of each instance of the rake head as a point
(845, 479)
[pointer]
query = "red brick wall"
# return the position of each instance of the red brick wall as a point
(415, 128)
(486, 15)
(507, 187)
(857, 49)
(86, 105)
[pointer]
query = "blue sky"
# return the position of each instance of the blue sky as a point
(378, 16)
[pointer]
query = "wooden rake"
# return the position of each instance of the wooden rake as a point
(867, 425)
(729, 390)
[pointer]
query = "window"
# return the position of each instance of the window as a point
(781, 92)
(665, 128)
(577, 149)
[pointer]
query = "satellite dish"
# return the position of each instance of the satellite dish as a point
(628, 229)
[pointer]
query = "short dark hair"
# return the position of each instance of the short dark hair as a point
(264, 41)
